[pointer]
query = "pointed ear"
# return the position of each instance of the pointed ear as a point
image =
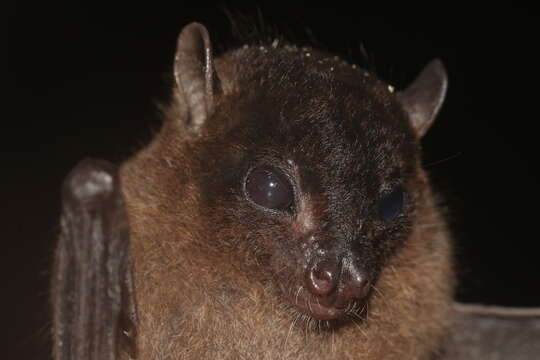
(423, 99)
(195, 75)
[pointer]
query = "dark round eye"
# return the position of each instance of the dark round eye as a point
(390, 205)
(269, 188)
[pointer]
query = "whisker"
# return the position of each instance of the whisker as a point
(318, 302)
(297, 294)
(379, 292)
(362, 331)
(367, 310)
(326, 324)
(350, 306)
(309, 305)
(306, 326)
(310, 324)
(443, 160)
(290, 331)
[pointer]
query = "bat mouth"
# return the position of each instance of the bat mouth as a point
(320, 312)
(313, 307)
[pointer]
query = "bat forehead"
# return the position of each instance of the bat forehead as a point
(335, 140)
(307, 99)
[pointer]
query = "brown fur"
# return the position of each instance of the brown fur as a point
(200, 298)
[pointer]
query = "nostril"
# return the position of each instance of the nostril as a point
(355, 284)
(358, 286)
(322, 278)
(354, 288)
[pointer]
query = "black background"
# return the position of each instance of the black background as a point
(83, 80)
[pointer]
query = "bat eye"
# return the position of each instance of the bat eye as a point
(390, 205)
(269, 188)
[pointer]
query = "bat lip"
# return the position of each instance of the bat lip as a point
(311, 306)
(320, 312)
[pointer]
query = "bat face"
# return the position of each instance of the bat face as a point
(314, 175)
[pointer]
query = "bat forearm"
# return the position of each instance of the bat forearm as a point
(92, 265)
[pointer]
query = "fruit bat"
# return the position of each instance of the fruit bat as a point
(281, 212)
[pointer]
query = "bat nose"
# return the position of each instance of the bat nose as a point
(322, 278)
(354, 284)
(337, 284)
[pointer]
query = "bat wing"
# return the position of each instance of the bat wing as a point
(494, 333)
(93, 307)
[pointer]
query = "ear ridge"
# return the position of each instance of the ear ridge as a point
(423, 99)
(195, 74)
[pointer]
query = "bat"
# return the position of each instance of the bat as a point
(280, 213)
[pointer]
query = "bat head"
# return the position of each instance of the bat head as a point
(310, 163)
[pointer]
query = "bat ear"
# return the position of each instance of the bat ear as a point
(423, 99)
(195, 75)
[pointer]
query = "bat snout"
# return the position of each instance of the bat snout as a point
(336, 284)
